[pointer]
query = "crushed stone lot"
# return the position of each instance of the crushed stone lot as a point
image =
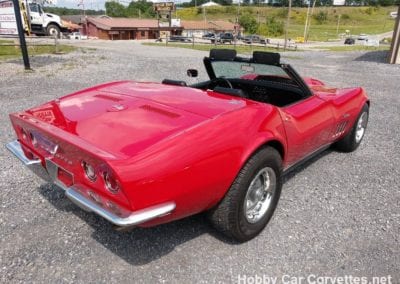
(339, 215)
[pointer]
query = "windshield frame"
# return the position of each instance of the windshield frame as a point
(287, 68)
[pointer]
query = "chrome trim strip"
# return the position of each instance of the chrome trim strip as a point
(135, 218)
(34, 165)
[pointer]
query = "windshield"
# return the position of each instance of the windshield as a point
(245, 70)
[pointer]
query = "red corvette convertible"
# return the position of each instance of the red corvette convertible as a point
(142, 154)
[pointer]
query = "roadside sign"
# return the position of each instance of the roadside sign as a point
(8, 23)
(164, 7)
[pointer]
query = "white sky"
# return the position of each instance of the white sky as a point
(96, 4)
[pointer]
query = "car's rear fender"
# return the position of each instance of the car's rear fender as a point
(58, 148)
(196, 168)
(346, 105)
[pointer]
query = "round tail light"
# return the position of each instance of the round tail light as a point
(90, 173)
(111, 183)
(24, 134)
(33, 139)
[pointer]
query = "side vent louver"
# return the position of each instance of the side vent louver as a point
(340, 128)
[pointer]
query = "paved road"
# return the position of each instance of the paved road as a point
(338, 216)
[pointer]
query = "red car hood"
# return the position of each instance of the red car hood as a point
(126, 117)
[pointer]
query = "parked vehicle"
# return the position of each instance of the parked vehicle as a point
(179, 38)
(77, 35)
(349, 41)
(142, 154)
(42, 23)
(223, 38)
(362, 37)
(208, 36)
(255, 39)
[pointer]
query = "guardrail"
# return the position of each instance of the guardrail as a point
(235, 42)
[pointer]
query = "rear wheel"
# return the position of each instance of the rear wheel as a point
(252, 198)
(352, 140)
(53, 30)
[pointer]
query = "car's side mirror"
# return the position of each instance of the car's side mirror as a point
(192, 73)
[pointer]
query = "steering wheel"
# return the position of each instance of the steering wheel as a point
(218, 80)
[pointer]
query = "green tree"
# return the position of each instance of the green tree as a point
(249, 23)
(115, 9)
(140, 8)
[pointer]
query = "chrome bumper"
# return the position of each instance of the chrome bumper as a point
(135, 218)
(34, 165)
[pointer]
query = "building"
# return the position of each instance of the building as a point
(126, 28)
(210, 4)
(394, 54)
(199, 28)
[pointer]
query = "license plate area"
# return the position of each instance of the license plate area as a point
(59, 175)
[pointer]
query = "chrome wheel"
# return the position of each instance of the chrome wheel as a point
(53, 32)
(259, 195)
(361, 126)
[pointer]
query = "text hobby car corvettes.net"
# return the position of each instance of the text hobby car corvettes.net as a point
(142, 154)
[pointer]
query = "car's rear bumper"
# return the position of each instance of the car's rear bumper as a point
(74, 193)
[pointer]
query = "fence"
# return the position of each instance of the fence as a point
(267, 44)
(31, 41)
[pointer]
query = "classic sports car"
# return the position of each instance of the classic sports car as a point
(141, 154)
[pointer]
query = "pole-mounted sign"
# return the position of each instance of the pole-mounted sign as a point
(11, 24)
(8, 24)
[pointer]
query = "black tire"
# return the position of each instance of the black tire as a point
(351, 140)
(230, 216)
(53, 30)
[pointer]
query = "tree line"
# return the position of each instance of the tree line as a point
(63, 11)
(295, 3)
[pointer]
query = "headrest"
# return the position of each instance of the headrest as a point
(222, 54)
(269, 58)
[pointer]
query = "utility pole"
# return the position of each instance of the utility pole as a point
(338, 24)
(307, 18)
(309, 22)
(287, 24)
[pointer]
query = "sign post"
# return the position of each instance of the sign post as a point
(21, 34)
(11, 24)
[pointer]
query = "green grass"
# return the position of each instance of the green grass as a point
(352, 48)
(243, 49)
(9, 51)
(369, 20)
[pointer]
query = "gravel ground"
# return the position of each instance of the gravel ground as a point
(338, 216)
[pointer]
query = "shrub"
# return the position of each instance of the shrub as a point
(249, 23)
(345, 17)
(321, 17)
(272, 27)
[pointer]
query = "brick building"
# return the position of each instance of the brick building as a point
(126, 28)
(199, 28)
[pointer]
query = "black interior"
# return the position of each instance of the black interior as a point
(275, 93)
(276, 90)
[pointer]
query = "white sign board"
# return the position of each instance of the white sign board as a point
(338, 2)
(8, 24)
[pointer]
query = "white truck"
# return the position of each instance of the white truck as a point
(44, 23)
